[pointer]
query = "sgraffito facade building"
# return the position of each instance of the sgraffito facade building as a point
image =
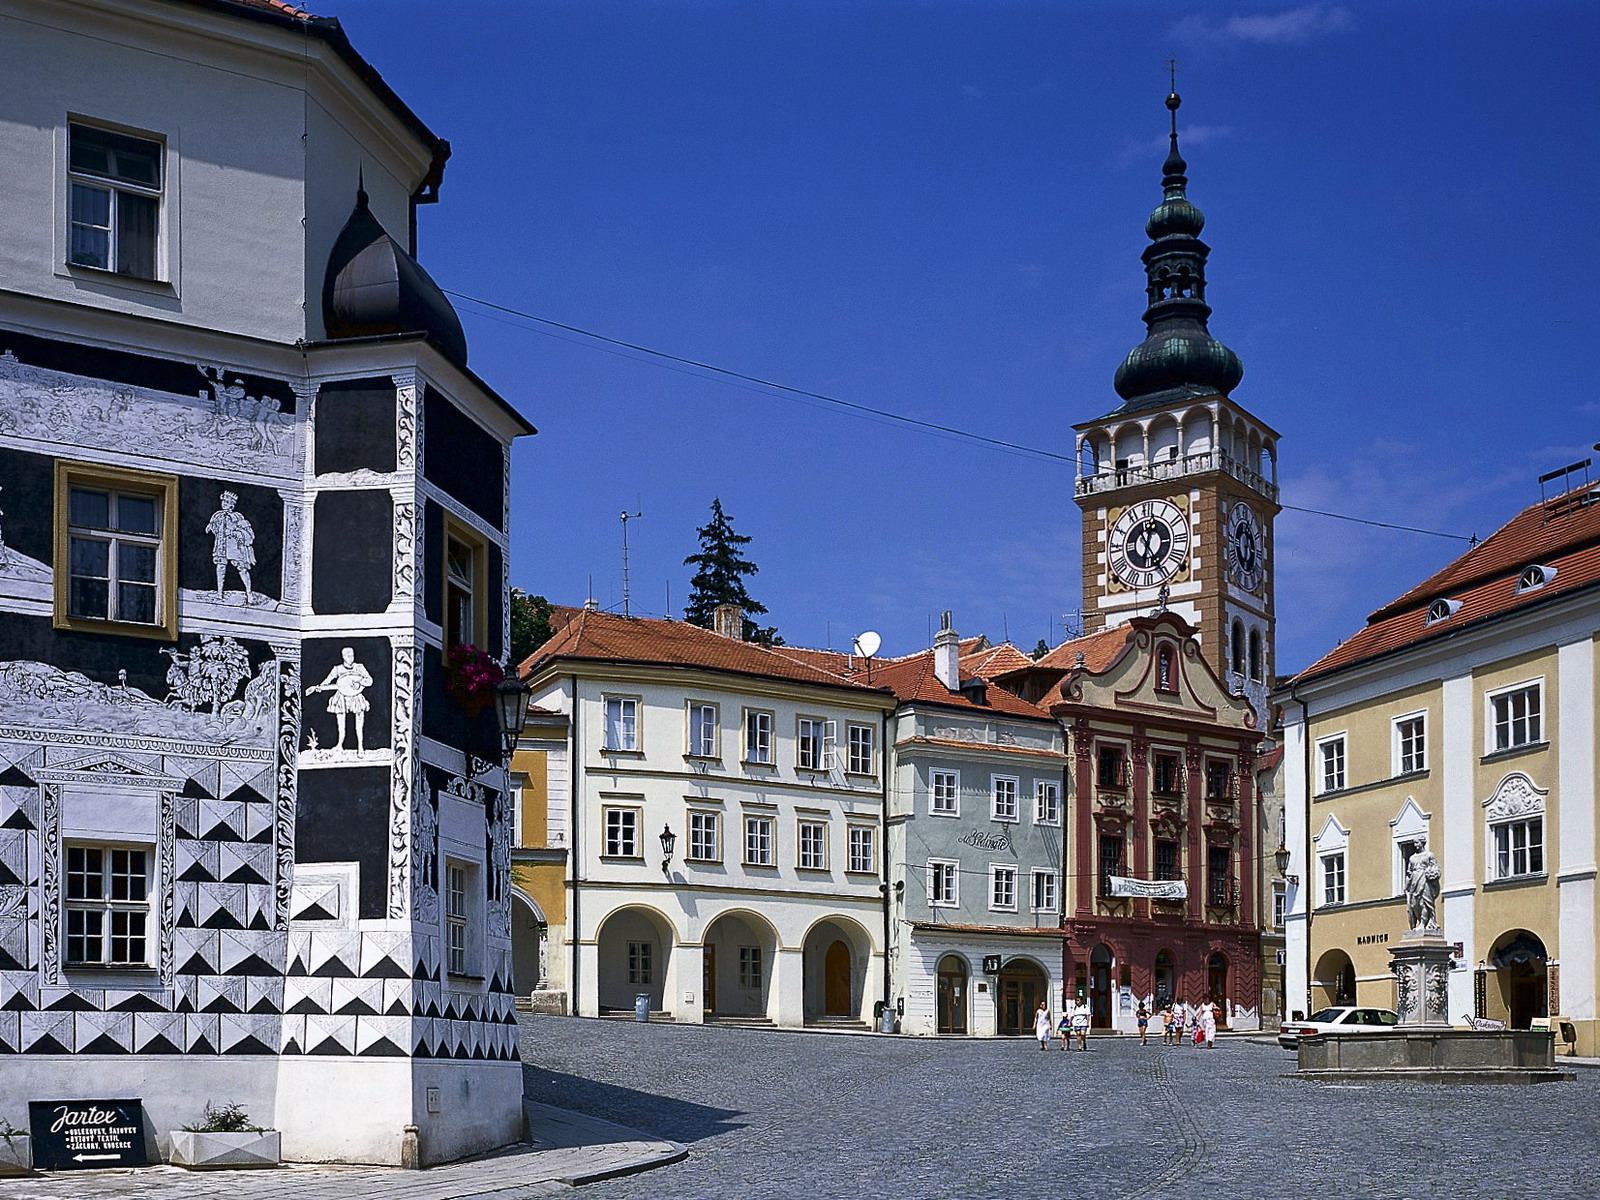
(250, 849)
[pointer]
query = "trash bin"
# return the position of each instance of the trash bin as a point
(886, 1020)
(641, 1007)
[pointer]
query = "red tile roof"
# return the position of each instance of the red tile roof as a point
(994, 661)
(276, 6)
(1563, 534)
(594, 636)
(1099, 650)
(913, 680)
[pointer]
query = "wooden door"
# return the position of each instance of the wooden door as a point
(952, 1016)
(836, 981)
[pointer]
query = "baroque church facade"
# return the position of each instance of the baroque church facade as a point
(250, 847)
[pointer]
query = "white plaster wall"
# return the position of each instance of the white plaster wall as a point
(356, 1110)
(1575, 828)
(229, 99)
(1296, 931)
(1458, 754)
(174, 1088)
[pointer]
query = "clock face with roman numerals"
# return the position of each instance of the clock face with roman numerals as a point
(1244, 546)
(1148, 543)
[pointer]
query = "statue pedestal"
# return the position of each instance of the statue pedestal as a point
(1421, 966)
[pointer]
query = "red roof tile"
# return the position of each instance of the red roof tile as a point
(995, 661)
(1100, 650)
(1563, 534)
(595, 636)
(913, 679)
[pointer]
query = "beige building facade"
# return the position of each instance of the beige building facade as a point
(1460, 721)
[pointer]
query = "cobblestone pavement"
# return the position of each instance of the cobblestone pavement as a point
(769, 1113)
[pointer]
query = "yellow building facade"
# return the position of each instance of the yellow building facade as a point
(1460, 721)
(539, 863)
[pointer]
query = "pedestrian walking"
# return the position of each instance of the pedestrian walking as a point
(1168, 1029)
(1144, 1022)
(1183, 1023)
(1208, 1024)
(1042, 1026)
(1064, 1029)
(1080, 1024)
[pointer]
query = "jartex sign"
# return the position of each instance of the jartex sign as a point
(79, 1135)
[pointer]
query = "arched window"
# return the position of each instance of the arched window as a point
(1255, 654)
(1237, 647)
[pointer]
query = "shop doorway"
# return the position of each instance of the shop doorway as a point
(836, 981)
(1217, 984)
(1022, 985)
(1100, 987)
(1165, 980)
(1520, 960)
(951, 1015)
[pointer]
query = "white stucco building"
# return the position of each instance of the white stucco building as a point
(764, 902)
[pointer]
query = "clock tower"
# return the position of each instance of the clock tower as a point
(1178, 483)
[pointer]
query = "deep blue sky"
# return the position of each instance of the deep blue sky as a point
(937, 209)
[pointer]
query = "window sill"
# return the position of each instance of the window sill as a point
(134, 283)
(870, 776)
(815, 870)
(936, 812)
(623, 858)
(1509, 882)
(750, 866)
(621, 753)
(82, 973)
(1004, 820)
(702, 862)
(872, 871)
(705, 758)
(1514, 751)
(166, 632)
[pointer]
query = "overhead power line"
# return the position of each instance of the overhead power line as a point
(866, 410)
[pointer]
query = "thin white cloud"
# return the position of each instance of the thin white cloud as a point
(972, 91)
(1291, 27)
(1155, 149)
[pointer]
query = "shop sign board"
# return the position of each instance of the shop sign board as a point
(86, 1135)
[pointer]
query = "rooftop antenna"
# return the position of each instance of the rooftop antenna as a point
(1071, 624)
(626, 517)
(866, 645)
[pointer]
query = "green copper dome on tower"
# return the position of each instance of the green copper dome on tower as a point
(1179, 358)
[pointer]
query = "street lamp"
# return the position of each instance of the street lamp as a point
(510, 711)
(669, 842)
(1281, 856)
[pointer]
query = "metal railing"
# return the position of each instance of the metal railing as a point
(1109, 478)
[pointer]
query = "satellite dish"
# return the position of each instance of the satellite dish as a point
(867, 644)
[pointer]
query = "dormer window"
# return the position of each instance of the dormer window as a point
(1441, 610)
(1535, 576)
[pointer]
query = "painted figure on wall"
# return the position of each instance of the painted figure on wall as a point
(233, 540)
(348, 681)
(1422, 890)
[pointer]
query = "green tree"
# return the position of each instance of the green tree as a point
(720, 570)
(530, 624)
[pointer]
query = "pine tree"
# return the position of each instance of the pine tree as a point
(720, 569)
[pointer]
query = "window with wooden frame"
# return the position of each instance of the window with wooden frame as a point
(861, 750)
(107, 904)
(863, 849)
(621, 832)
(1046, 802)
(1219, 780)
(1111, 768)
(1166, 774)
(466, 586)
(1111, 860)
(814, 744)
(813, 845)
(116, 551)
(705, 836)
(758, 841)
(704, 727)
(115, 184)
(758, 737)
(463, 918)
(944, 793)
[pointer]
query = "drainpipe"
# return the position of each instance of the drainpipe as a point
(883, 856)
(574, 770)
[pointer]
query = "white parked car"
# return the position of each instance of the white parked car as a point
(1343, 1019)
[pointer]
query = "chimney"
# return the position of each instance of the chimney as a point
(946, 654)
(728, 620)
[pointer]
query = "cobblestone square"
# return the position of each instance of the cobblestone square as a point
(769, 1113)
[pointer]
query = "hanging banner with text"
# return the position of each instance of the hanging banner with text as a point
(82, 1135)
(1150, 889)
